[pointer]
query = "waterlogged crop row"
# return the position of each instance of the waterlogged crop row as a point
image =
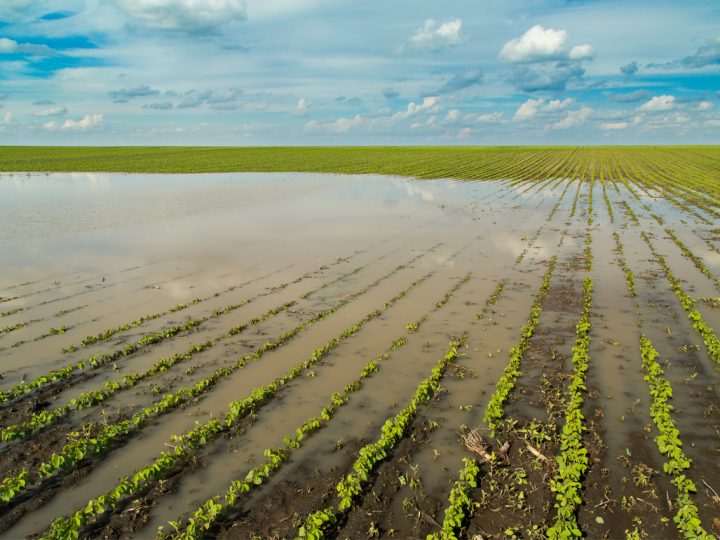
(629, 276)
(100, 444)
(573, 459)
(217, 507)
(669, 443)
(100, 360)
(709, 338)
(200, 436)
(317, 524)
(91, 398)
(495, 409)
(11, 312)
(697, 261)
(110, 388)
(109, 332)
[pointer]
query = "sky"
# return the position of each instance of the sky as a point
(346, 72)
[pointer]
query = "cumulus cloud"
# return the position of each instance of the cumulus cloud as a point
(573, 119)
(460, 81)
(537, 44)
(302, 107)
(582, 52)
(84, 123)
(429, 104)
(51, 111)
(707, 55)
(490, 118)
(705, 105)
(540, 44)
(614, 125)
(533, 107)
(8, 117)
(10, 46)
(543, 60)
(453, 115)
(629, 69)
(658, 103)
(341, 125)
(433, 37)
(131, 92)
(183, 16)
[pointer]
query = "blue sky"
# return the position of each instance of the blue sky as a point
(315, 72)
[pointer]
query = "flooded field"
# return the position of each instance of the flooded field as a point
(281, 355)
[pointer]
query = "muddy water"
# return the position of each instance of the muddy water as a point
(92, 252)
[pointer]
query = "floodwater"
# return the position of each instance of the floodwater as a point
(87, 253)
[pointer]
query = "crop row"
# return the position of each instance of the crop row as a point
(694, 258)
(495, 409)
(11, 312)
(573, 459)
(100, 360)
(392, 432)
(629, 276)
(12, 327)
(101, 443)
(202, 435)
(91, 398)
(709, 338)
(215, 508)
(109, 332)
(669, 443)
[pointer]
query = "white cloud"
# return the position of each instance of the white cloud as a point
(341, 125)
(528, 110)
(559, 105)
(659, 103)
(436, 38)
(8, 117)
(429, 104)
(452, 115)
(464, 133)
(302, 104)
(532, 107)
(86, 122)
(490, 118)
(536, 44)
(184, 16)
(705, 105)
(573, 119)
(51, 111)
(10, 46)
(613, 125)
(713, 122)
(582, 52)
